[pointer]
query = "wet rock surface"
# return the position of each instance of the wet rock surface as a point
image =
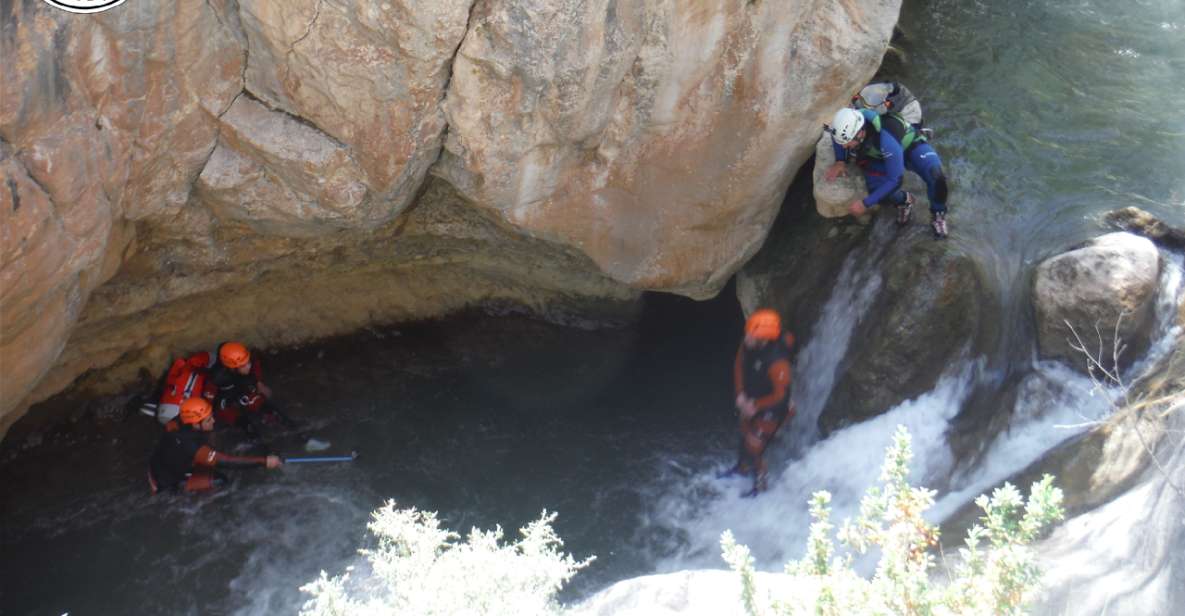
(443, 256)
(1099, 296)
(1135, 220)
(931, 296)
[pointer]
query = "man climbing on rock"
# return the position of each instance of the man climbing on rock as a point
(184, 461)
(884, 147)
(761, 379)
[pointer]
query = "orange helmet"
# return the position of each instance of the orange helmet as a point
(765, 324)
(195, 410)
(234, 355)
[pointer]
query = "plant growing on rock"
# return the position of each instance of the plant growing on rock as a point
(420, 568)
(997, 572)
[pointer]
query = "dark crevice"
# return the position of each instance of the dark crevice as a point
(307, 31)
(448, 83)
(452, 62)
(239, 33)
(295, 118)
(309, 28)
(7, 150)
(16, 195)
(217, 139)
(32, 178)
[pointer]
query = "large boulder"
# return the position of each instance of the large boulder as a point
(282, 177)
(930, 310)
(657, 137)
(369, 74)
(1101, 296)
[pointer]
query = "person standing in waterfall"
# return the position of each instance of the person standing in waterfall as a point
(761, 379)
(184, 461)
(884, 147)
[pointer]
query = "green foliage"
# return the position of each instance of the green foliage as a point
(741, 560)
(420, 568)
(996, 578)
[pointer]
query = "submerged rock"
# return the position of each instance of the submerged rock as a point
(1104, 292)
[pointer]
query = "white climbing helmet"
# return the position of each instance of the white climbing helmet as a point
(846, 124)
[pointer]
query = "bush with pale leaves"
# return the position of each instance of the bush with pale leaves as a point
(420, 568)
(996, 578)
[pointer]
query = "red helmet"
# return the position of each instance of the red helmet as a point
(195, 410)
(234, 355)
(765, 324)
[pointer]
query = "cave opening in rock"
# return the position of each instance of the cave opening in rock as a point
(488, 416)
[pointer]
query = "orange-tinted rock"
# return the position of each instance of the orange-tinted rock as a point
(369, 74)
(653, 137)
(282, 177)
(104, 118)
(657, 137)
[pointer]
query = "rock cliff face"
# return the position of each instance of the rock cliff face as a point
(655, 136)
(174, 172)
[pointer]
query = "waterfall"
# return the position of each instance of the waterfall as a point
(1054, 403)
(815, 367)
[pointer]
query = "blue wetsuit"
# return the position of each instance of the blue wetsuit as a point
(883, 176)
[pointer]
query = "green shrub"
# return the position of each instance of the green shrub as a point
(996, 577)
(420, 568)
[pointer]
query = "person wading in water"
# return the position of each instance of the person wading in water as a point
(184, 461)
(761, 378)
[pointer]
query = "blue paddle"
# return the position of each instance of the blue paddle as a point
(320, 459)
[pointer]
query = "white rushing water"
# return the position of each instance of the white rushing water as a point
(1053, 403)
(857, 286)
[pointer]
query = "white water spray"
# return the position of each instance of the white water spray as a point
(1054, 403)
(815, 368)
